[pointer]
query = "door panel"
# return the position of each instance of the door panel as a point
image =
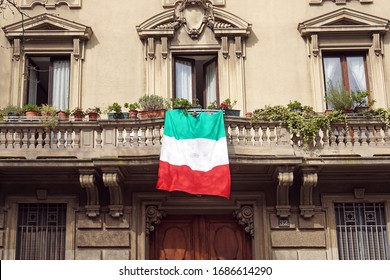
(200, 238)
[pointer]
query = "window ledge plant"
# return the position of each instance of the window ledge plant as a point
(227, 106)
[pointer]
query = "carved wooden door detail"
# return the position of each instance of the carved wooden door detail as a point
(199, 238)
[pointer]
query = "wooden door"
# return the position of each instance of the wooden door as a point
(199, 238)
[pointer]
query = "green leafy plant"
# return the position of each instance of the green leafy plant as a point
(48, 110)
(12, 110)
(304, 123)
(31, 107)
(78, 111)
(339, 98)
(361, 99)
(131, 106)
(114, 108)
(152, 102)
(227, 104)
(95, 109)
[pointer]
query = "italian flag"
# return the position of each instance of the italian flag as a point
(194, 156)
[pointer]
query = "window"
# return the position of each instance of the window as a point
(361, 231)
(348, 70)
(346, 45)
(196, 78)
(41, 231)
(48, 81)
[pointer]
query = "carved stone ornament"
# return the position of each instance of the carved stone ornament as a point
(171, 3)
(245, 218)
(285, 178)
(50, 4)
(153, 217)
(88, 182)
(339, 2)
(112, 179)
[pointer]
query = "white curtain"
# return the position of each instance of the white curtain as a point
(211, 83)
(332, 70)
(61, 76)
(183, 72)
(32, 85)
(356, 73)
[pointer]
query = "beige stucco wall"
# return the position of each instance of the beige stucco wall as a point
(276, 64)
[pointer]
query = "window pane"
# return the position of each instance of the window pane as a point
(332, 71)
(61, 84)
(211, 83)
(356, 73)
(183, 75)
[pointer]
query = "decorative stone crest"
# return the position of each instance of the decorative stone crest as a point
(194, 16)
(245, 218)
(153, 217)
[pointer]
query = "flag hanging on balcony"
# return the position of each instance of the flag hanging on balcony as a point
(194, 156)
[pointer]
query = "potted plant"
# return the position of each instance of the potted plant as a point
(115, 112)
(31, 110)
(78, 114)
(361, 100)
(227, 107)
(12, 111)
(152, 106)
(93, 113)
(63, 115)
(132, 109)
(48, 110)
(339, 98)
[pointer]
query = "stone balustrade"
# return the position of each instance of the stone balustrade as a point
(136, 138)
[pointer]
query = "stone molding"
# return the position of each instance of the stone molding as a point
(244, 217)
(153, 217)
(172, 3)
(89, 183)
(284, 176)
(49, 4)
(113, 180)
(339, 2)
(309, 182)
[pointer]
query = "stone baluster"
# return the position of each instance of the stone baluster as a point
(61, 141)
(18, 139)
(157, 135)
(256, 137)
(386, 135)
(77, 138)
(355, 136)
(248, 136)
(379, 136)
(264, 136)
(128, 137)
(55, 141)
(39, 138)
(241, 135)
(332, 137)
(25, 138)
(3, 138)
(272, 135)
(348, 138)
(233, 134)
(150, 137)
(46, 139)
(120, 137)
(325, 138)
(143, 136)
(364, 136)
(69, 134)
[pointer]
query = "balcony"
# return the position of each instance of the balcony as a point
(28, 139)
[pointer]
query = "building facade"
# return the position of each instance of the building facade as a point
(86, 189)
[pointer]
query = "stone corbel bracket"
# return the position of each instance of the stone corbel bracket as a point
(88, 181)
(113, 180)
(309, 182)
(284, 176)
(244, 217)
(153, 217)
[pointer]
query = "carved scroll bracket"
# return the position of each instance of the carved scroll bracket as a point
(153, 217)
(284, 177)
(113, 180)
(245, 218)
(88, 181)
(309, 181)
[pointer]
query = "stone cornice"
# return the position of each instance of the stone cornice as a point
(49, 4)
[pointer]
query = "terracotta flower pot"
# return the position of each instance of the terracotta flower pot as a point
(133, 114)
(32, 113)
(62, 116)
(92, 116)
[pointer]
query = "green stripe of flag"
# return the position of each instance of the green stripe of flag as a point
(186, 126)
